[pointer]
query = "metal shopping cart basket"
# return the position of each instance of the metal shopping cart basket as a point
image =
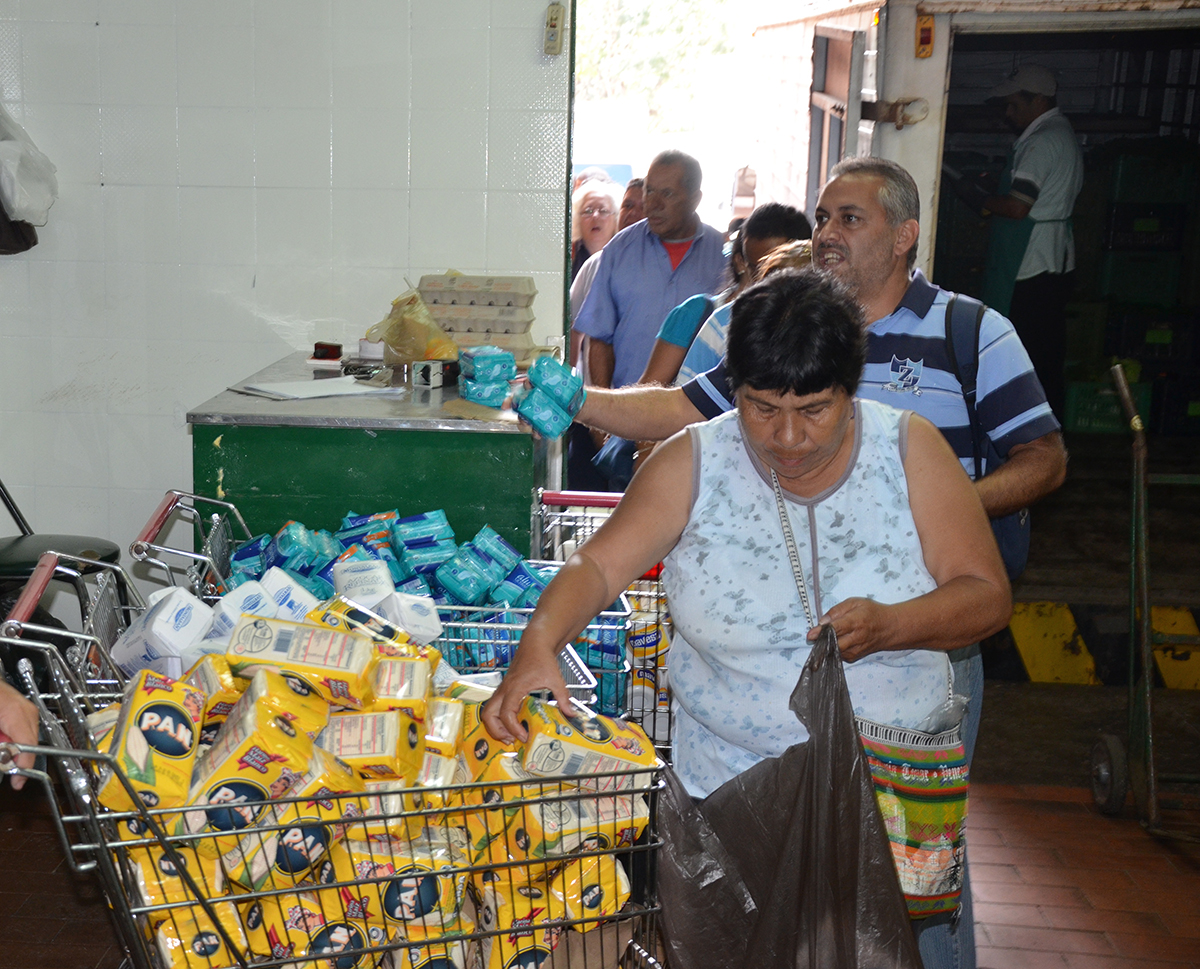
(456, 876)
(561, 522)
(219, 529)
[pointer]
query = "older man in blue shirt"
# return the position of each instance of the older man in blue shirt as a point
(645, 271)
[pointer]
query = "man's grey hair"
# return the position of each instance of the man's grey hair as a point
(898, 194)
(691, 167)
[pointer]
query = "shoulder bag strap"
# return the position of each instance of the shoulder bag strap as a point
(964, 317)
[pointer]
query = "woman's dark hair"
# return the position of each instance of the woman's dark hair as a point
(797, 331)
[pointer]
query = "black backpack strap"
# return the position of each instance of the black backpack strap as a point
(964, 316)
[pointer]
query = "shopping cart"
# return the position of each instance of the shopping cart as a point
(561, 522)
(475, 639)
(419, 896)
(205, 571)
(1121, 763)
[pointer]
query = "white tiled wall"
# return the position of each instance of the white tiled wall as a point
(237, 179)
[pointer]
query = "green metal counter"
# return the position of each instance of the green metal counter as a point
(315, 460)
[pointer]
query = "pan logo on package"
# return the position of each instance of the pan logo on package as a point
(301, 847)
(183, 617)
(233, 805)
(411, 897)
(167, 729)
(338, 937)
(338, 689)
(592, 896)
(206, 944)
(530, 958)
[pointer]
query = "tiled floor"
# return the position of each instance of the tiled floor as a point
(1056, 885)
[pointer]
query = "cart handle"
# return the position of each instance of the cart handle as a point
(590, 499)
(34, 589)
(1135, 419)
(139, 548)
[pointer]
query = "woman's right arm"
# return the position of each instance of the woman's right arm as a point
(641, 530)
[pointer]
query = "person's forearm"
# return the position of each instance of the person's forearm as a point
(1006, 206)
(963, 611)
(639, 413)
(602, 360)
(1031, 472)
(955, 614)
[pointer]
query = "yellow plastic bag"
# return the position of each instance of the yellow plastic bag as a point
(409, 332)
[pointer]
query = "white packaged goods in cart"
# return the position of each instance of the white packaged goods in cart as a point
(335, 665)
(154, 742)
(158, 636)
(249, 598)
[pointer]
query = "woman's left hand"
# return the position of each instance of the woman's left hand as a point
(859, 625)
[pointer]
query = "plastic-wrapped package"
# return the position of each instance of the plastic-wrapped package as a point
(787, 864)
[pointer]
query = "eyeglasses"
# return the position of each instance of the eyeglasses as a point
(603, 213)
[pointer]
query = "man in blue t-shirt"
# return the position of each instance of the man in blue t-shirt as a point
(646, 270)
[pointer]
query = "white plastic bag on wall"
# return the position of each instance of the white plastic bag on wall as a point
(27, 184)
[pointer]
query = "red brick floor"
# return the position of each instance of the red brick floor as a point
(1056, 885)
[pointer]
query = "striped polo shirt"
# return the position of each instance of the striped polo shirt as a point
(908, 367)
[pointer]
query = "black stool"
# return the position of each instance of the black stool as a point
(19, 554)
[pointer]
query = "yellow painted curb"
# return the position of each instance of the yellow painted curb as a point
(1050, 645)
(1179, 665)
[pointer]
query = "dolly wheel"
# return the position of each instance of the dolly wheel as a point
(1110, 774)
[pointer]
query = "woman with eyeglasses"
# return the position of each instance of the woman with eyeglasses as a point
(594, 209)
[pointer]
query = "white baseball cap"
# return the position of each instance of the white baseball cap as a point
(1031, 78)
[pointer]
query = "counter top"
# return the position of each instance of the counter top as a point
(417, 408)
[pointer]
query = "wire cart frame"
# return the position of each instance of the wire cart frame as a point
(169, 895)
(561, 521)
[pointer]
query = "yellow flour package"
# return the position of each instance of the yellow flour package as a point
(154, 742)
(428, 949)
(506, 786)
(286, 696)
(477, 748)
(387, 812)
(212, 676)
(287, 856)
(528, 919)
(595, 887)
(187, 939)
(101, 725)
(409, 882)
(389, 639)
(334, 664)
(588, 743)
(157, 879)
(402, 683)
(440, 767)
(298, 925)
(368, 742)
(256, 757)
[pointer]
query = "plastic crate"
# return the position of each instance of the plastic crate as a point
(1179, 407)
(1094, 408)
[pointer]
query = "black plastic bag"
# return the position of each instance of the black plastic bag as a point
(788, 864)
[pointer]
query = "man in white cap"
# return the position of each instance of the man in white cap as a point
(1031, 253)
